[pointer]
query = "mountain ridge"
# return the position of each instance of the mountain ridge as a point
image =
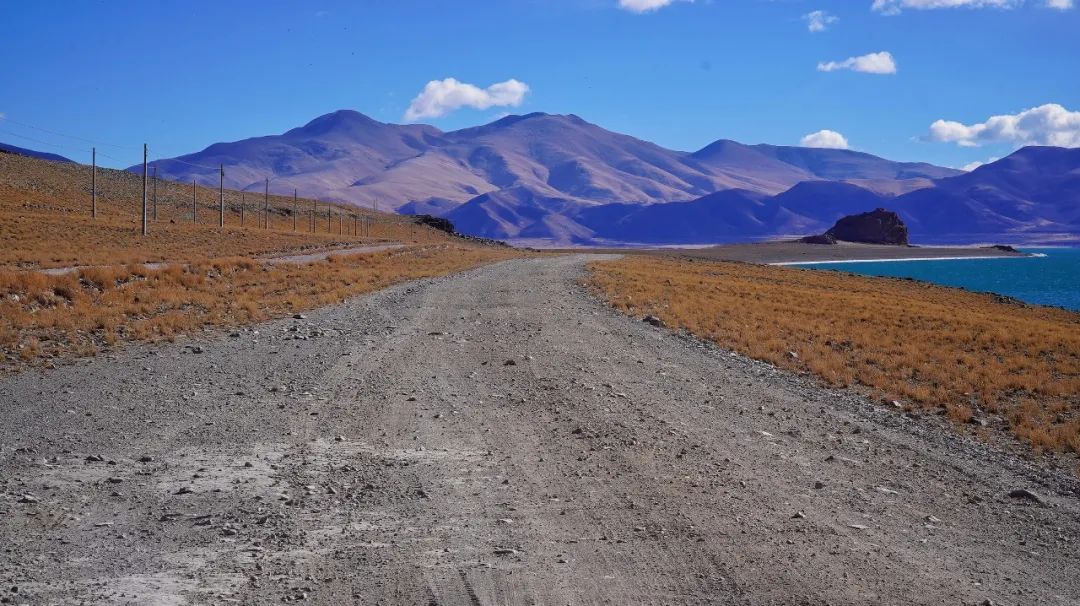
(508, 177)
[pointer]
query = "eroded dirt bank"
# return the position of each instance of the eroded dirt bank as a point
(497, 437)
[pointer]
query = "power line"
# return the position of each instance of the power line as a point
(60, 134)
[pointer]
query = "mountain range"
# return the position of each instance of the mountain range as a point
(558, 178)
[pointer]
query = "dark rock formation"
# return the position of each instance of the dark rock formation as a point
(438, 223)
(878, 226)
(819, 239)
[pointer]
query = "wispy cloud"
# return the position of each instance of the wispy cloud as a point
(644, 6)
(873, 63)
(893, 7)
(1049, 124)
(441, 97)
(819, 21)
(828, 139)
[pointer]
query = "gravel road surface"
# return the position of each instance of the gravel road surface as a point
(498, 437)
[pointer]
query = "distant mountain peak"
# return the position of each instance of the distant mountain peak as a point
(340, 120)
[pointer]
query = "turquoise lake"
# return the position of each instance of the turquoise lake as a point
(1053, 279)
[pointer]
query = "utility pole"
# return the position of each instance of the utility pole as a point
(155, 192)
(144, 154)
(194, 204)
(354, 232)
(266, 206)
(221, 195)
(294, 210)
(93, 183)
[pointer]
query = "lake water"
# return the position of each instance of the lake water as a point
(1053, 279)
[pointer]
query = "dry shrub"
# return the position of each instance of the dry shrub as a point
(932, 347)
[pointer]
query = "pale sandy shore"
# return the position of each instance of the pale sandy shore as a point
(794, 253)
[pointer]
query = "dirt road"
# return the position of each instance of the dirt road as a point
(497, 437)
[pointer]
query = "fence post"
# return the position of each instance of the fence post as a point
(144, 154)
(294, 210)
(194, 204)
(266, 205)
(93, 183)
(221, 196)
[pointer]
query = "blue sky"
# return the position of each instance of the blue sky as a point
(183, 75)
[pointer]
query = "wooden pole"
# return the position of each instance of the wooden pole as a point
(194, 204)
(93, 183)
(144, 171)
(221, 195)
(266, 206)
(294, 210)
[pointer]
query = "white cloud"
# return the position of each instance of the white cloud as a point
(970, 166)
(441, 97)
(819, 21)
(1061, 5)
(644, 6)
(1049, 124)
(873, 63)
(829, 139)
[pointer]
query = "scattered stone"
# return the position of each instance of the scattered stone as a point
(798, 515)
(339, 439)
(184, 490)
(510, 363)
(932, 520)
(857, 526)
(299, 317)
(653, 321)
(197, 349)
(28, 498)
(506, 551)
(819, 485)
(146, 459)
(114, 480)
(95, 459)
(1024, 493)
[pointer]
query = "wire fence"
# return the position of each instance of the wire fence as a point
(200, 203)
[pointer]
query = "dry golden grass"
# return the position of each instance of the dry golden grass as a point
(44, 316)
(45, 221)
(926, 346)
